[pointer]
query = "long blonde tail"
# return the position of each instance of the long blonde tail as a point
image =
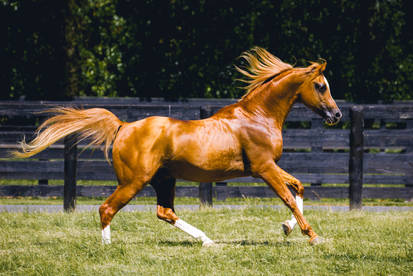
(99, 124)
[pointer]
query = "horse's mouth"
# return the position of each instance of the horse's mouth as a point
(331, 121)
(332, 117)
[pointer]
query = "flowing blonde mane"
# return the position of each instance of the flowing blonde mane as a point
(262, 65)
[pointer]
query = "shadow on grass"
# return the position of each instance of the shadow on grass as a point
(180, 243)
(233, 243)
(262, 243)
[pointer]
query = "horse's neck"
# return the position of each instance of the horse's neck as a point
(273, 102)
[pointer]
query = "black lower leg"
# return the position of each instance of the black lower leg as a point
(164, 185)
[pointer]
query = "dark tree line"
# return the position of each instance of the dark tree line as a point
(179, 49)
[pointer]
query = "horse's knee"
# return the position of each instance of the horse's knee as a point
(298, 187)
(166, 214)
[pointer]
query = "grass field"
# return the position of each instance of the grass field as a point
(194, 201)
(249, 242)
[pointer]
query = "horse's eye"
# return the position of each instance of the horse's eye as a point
(320, 87)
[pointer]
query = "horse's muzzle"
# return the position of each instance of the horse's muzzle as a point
(332, 117)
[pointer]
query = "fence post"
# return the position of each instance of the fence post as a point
(205, 193)
(205, 189)
(316, 146)
(43, 181)
(356, 157)
(409, 150)
(218, 195)
(70, 155)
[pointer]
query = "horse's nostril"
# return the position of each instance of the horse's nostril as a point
(338, 115)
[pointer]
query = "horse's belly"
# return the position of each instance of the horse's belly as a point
(196, 172)
(207, 150)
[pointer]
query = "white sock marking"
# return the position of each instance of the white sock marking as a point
(292, 222)
(193, 231)
(106, 235)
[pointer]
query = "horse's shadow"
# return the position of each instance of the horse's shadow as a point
(254, 243)
(229, 242)
(178, 243)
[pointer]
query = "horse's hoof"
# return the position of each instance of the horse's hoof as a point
(316, 240)
(286, 228)
(208, 243)
(106, 241)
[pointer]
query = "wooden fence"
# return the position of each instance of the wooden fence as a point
(372, 145)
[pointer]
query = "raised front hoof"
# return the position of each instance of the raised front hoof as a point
(286, 228)
(208, 243)
(315, 240)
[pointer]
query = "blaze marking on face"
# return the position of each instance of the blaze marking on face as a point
(325, 80)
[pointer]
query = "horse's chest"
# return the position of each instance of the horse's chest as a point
(277, 148)
(274, 145)
(265, 140)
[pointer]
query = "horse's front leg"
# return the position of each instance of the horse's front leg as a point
(293, 182)
(272, 175)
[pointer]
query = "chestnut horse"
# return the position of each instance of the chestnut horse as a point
(242, 139)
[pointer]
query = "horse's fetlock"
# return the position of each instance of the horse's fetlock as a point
(166, 214)
(106, 214)
(102, 209)
(308, 231)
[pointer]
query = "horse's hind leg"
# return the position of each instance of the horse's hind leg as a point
(293, 182)
(122, 195)
(164, 186)
(131, 181)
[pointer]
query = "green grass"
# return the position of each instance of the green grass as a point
(190, 200)
(249, 242)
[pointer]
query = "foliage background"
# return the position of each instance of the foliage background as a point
(181, 48)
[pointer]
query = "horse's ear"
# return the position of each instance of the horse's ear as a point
(317, 68)
(322, 67)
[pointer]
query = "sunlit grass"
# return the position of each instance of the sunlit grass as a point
(249, 242)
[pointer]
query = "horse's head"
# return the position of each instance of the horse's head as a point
(315, 94)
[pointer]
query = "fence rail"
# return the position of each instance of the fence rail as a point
(314, 153)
